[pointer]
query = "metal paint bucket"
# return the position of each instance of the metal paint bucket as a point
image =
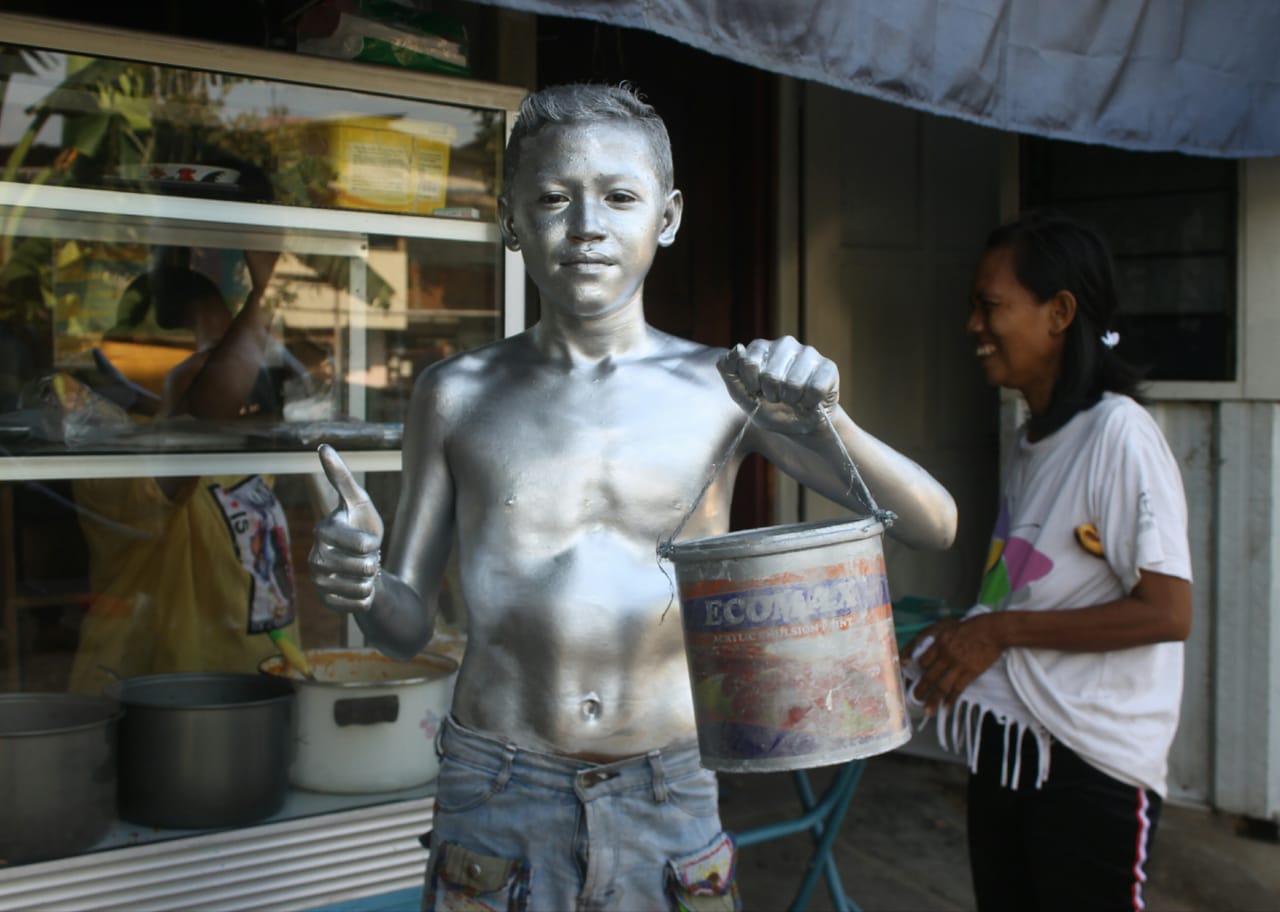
(790, 640)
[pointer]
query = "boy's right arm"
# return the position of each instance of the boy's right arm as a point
(394, 603)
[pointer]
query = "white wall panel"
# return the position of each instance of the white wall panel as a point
(1191, 429)
(1246, 685)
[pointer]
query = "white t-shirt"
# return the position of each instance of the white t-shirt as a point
(1110, 468)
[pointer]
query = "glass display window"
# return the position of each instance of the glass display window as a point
(207, 269)
(126, 183)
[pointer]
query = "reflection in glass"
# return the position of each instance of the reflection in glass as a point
(205, 168)
(97, 122)
(119, 576)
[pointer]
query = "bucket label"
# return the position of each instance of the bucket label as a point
(790, 603)
(796, 665)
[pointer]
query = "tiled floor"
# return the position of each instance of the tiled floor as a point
(902, 847)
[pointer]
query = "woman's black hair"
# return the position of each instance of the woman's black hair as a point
(1054, 252)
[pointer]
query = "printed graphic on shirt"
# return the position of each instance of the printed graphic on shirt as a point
(260, 534)
(1089, 539)
(1013, 564)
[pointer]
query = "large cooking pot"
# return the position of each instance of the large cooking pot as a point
(367, 722)
(57, 774)
(204, 749)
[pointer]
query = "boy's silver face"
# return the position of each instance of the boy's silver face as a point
(588, 212)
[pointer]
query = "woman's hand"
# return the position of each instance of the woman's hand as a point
(1157, 611)
(961, 650)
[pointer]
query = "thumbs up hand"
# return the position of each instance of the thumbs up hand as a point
(345, 558)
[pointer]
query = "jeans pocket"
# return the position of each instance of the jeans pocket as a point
(698, 794)
(461, 787)
(459, 879)
(703, 881)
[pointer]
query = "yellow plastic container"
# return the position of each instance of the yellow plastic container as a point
(385, 164)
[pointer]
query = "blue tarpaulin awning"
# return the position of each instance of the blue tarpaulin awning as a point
(1194, 76)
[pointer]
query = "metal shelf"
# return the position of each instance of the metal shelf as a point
(329, 852)
(179, 465)
(61, 224)
(182, 211)
(393, 319)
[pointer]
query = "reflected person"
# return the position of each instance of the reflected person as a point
(561, 457)
(191, 573)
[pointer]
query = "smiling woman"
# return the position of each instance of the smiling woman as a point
(1076, 636)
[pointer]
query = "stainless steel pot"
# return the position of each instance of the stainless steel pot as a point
(204, 749)
(57, 774)
(367, 722)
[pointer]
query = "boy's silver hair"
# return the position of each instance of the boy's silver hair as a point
(586, 103)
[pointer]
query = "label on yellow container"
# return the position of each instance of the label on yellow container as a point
(431, 144)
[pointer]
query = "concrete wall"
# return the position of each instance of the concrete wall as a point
(896, 205)
(1245, 629)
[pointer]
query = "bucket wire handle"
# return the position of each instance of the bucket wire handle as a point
(885, 517)
(665, 547)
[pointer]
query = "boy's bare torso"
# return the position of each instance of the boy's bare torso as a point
(566, 479)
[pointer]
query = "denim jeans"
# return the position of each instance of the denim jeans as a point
(520, 829)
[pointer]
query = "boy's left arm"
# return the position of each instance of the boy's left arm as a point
(789, 385)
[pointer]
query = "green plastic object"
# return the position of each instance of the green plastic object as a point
(388, 53)
(913, 613)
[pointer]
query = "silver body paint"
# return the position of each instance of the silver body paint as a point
(563, 456)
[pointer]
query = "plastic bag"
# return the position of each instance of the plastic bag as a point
(385, 32)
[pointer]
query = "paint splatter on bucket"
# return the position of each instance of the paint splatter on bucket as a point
(790, 640)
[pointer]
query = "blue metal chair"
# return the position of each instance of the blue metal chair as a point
(822, 818)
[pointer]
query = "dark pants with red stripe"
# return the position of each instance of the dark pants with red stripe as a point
(1079, 842)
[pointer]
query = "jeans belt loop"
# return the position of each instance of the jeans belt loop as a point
(439, 738)
(508, 762)
(659, 777)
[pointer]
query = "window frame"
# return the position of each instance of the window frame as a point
(1205, 390)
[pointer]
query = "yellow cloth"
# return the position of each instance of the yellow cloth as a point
(189, 584)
